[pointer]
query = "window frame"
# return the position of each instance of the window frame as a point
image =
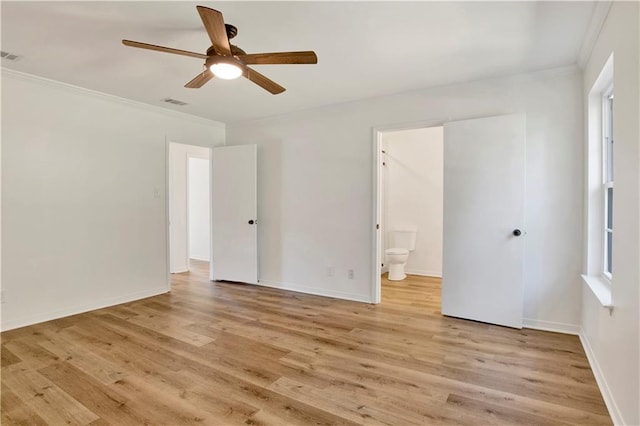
(607, 179)
(594, 277)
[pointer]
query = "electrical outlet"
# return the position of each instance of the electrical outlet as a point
(330, 271)
(350, 274)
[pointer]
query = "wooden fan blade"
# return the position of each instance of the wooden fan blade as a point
(307, 57)
(199, 80)
(163, 49)
(214, 24)
(262, 81)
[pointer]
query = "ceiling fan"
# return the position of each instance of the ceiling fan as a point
(226, 61)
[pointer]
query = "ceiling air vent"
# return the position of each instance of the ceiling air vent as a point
(174, 101)
(9, 56)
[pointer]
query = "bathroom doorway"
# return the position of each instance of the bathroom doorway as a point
(483, 169)
(189, 208)
(410, 203)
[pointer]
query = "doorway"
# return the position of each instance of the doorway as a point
(411, 198)
(189, 207)
(483, 218)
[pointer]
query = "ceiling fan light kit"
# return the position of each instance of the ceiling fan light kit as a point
(224, 68)
(226, 61)
(225, 71)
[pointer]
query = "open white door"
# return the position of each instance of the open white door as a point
(484, 183)
(233, 214)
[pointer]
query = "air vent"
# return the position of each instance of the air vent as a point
(9, 56)
(174, 101)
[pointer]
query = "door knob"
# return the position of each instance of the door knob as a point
(251, 222)
(517, 232)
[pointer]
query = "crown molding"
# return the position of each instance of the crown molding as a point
(538, 74)
(600, 12)
(522, 77)
(19, 75)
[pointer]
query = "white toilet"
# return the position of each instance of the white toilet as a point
(401, 243)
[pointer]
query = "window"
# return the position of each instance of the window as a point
(598, 273)
(607, 179)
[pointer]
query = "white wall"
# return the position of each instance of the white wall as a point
(84, 211)
(613, 341)
(315, 197)
(178, 202)
(413, 200)
(199, 207)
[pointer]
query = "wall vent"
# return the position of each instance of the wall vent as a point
(9, 56)
(173, 101)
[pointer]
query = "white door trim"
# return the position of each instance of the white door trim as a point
(186, 210)
(188, 169)
(167, 211)
(211, 265)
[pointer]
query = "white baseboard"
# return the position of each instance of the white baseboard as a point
(86, 307)
(180, 270)
(436, 274)
(556, 327)
(614, 411)
(203, 259)
(315, 291)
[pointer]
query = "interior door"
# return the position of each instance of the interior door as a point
(233, 214)
(483, 248)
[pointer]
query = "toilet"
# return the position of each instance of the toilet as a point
(401, 243)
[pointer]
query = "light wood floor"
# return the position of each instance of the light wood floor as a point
(220, 353)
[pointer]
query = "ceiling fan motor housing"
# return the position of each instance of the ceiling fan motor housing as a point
(235, 51)
(232, 30)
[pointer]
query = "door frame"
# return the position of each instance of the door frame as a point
(376, 282)
(167, 209)
(189, 157)
(167, 204)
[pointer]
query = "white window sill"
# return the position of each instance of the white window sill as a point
(600, 288)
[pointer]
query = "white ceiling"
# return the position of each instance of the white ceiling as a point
(364, 49)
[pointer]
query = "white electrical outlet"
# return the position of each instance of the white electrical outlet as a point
(350, 274)
(330, 271)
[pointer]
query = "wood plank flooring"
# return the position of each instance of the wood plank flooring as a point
(226, 354)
